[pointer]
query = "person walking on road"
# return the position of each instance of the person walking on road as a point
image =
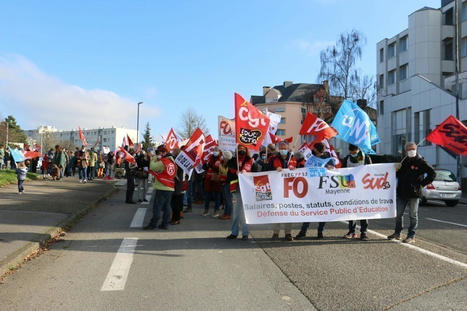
(413, 174)
(177, 196)
(21, 172)
(165, 171)
(142, 175)
(83, 165)
(356, 158)
(130, 171)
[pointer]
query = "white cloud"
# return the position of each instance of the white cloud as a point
(312, 48)
(42, 99)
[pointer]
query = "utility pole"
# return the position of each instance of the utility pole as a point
(137, 125)
(456, 38)
(7, 128)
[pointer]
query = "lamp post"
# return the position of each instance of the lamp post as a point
(137, 125)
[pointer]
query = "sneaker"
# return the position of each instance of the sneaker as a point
(215, 215)
(149, 227)
(206, 212)
(409, 240)
(350, 235)
(320, 235)
(175, 222)
(300, 235)
(275, 237)
(364, 237)
(288, 237)
(231, 237)
(225, 217)
(245, 238)
(85, 181)
(394, 236)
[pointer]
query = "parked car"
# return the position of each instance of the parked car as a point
(444, 188)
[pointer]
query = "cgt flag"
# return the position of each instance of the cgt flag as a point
(190, 155)
(171, 142)
(451, 134)
(251, 125)
(82, 137)
(317, 127)
(355, 127)
(128, 157)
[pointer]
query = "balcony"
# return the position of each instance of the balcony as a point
(447, 31)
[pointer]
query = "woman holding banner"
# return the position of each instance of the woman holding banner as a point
(241, 163)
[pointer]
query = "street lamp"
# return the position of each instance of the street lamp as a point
(137, 125)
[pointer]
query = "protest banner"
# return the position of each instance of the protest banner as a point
(363, 192)
(226, 134)
(190, 155)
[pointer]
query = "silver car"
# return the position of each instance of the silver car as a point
(444, 188)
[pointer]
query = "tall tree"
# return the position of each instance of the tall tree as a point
(147, 142)
(190, 122)
(338, 63)
(14, 131)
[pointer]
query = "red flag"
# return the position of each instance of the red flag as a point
(130, 143)
(171, 142)
(251, 125)
(191, 153)
(32, 154)
(451, 134)
(317, 127)
(128, 157)
(82, 137)
(208, 147)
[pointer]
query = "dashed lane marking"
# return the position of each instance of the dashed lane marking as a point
(138, 219)
(118, 273)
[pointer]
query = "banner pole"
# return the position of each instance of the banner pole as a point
(238, 166)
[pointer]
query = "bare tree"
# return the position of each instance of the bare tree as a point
(338, 63)
(190, 122)
(364, 87)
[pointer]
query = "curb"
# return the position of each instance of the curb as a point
(18, 257)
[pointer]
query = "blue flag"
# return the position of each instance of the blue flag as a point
(17, 155)
(355, 127)
(316, 166)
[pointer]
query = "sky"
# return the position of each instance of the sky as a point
(88, 63)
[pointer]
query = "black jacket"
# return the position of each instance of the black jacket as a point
(411, 177)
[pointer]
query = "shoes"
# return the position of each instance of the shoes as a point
(215, 215)
(145, 200)
(275, 237)
(364, 237)
(206, 212)
(130, 202)
(350, 235)
(175, 222)
(409, 240)
(140, 201)
(225, 217)
(245, 238)
(320, 235)
(149, 227)
(300, 235)
(163, 227)
(288, 237)
(231, 237)
(181, 215)
(394, 236)
(85, 181)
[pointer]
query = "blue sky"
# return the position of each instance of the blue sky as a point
(87, 63)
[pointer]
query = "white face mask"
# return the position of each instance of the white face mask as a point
(411, 153)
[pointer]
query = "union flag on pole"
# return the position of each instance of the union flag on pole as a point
(128, 157)
(82, 137)
(171, 141)
(191, 153)
(451, 134)
(130, 143)
(251, 125)
(317, 127)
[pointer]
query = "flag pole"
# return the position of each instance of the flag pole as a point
(238, 166)
(421, 141)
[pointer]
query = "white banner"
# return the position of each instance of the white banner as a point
(226, 129)
(363, 192)
(185, 161)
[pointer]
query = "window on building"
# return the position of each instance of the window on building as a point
(403, 72)
(381, 55)
(391, 77)
(303, 110)
(401, 125)
(280, 109)
(464, 12)
(448, 49)
(449, 17)
(280, 133)
(282, 121)
(403, 44)
(464, 47)
(381, 107)
(381, 82)
(104, 139)
(391, 50)
(422, 126)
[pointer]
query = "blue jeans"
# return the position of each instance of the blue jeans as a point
(401, 205)
(20, 185)
(162, 203)
(227, 200)
(216, 196)
(82, 173)
(238, 215)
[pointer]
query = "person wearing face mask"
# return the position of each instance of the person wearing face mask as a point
(356, 158)
(212, 185)
(284, 161)
(414, 174)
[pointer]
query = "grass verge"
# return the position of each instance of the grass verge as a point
(9, 177)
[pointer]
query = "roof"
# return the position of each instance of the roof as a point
(297, 92)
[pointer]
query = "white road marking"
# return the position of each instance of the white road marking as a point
(120, 182)
(419, 249)
(138, 219)
(118, 273)
(447, 222)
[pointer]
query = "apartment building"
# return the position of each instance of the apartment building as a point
(416, 75)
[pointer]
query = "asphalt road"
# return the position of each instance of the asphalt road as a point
(103, 264)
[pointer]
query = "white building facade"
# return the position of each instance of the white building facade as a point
(416, 74)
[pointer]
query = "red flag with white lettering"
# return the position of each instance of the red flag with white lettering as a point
(130, 143)
(317, 127)
(451, 134)
(82, 137)
(251, 125)
(128, 157)
(191, 153)
(171, 142)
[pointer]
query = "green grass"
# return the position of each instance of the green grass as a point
(9, 177)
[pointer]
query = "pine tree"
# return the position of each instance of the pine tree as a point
(147, 137)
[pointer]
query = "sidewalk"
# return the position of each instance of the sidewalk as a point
(29, 220)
